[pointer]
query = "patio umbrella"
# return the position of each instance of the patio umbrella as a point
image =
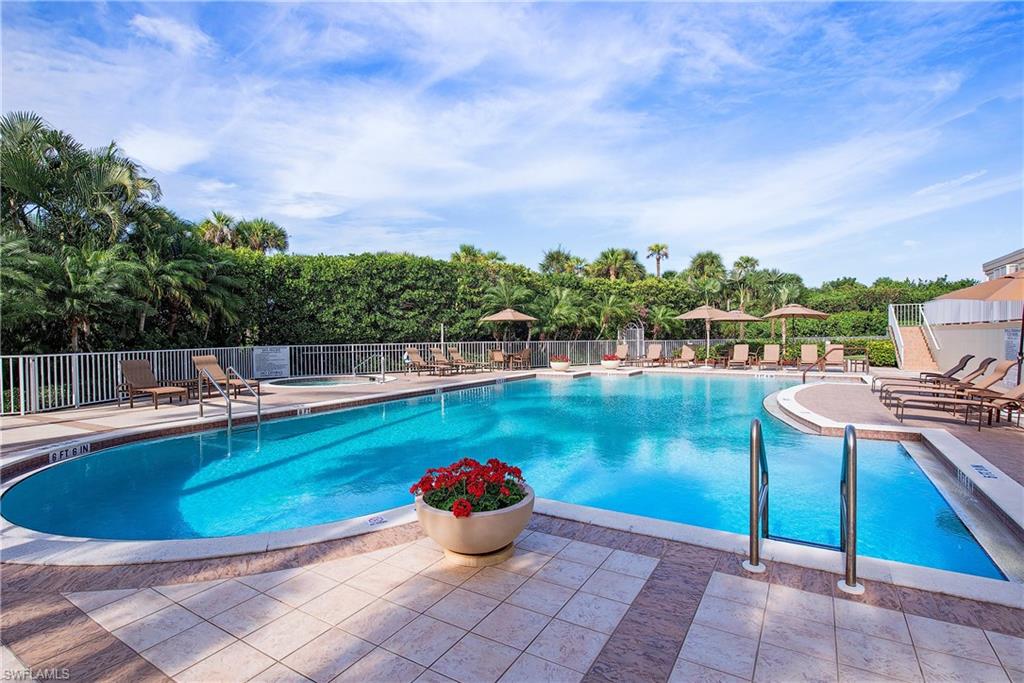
(1005, 288)
(738, 316)
(509, 315)
(794, 311)
(707, 314)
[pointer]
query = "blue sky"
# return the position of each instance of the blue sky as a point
(849, 139)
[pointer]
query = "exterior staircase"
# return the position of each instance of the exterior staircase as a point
(917, 355)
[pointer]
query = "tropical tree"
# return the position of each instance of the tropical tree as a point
(88, 283)
(706, 264)
(219, 229)
(166, 274)
(706, 287)
(22, 290)
(561, 309)
(617, 263)
(559, 260)
(662, 319)
(505, 294)
(262, 235)
(611, 312)
(658, 252)
(467, 253)
(742, 275)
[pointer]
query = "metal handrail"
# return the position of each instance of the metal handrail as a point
(203, 372)
(931, 333)
(897, 336)
(367, 360)
(820, 363)
(255, 394)
(848, 512)
(758, 498)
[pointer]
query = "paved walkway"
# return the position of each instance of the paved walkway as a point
(576, 602)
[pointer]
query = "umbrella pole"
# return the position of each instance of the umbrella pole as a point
(1020, 346)
(707, 343)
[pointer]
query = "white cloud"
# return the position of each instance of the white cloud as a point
(947, 185)
(182, 38)
(163, 150)
(214, 186)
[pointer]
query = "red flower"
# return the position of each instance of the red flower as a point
(504, 491)
(477, 488)
(610, 356)
(462, 508)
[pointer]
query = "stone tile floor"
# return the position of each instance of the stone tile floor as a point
(576, 602)
(398, 614)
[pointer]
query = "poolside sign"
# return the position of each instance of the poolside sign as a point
(69, 451)
(270, 361)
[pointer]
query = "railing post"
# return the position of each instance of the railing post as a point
(753, 562)
(76, 376)
(848, 513)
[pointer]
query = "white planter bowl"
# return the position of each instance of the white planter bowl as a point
(610, 364)
(560, 366)
(481, 532)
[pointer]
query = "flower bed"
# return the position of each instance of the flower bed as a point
(466, 486)
(558, 358)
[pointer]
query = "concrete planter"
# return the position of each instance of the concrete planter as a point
(481, 532)
(610, 364)
(560, 366)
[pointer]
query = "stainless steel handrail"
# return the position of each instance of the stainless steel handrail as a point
(367, 360)
(758, 498)
(216, 385)
(848, 512)
(259, 407)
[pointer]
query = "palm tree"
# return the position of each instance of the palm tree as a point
(87, 283)
(22, 290)
(657, 251)
(610, 312)
(219, 229)
(504, 294)
(662, 319)
(767, 283)
(560, 310)
(706, 287)
(617, 263)
(467, 253)
(262, 235)
(165, 276)
(706, 264)
(559, 260)
(743, 270)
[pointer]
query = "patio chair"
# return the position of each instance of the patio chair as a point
(953, 390)
(884, 385)
(416, 363)
(948, 374)
(835, 356)
(139, 380)
(771, 356)
(520, 359)
(498, 359)
(686, 357)
(441, 361)
(622, 352)
(212, 366)
(740, 356)
(457, 360)
(983, 401)
(652, 357)
(808, 356)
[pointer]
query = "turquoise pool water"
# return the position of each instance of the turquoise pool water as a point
(663, 446)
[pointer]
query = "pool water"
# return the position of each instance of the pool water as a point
(670, 447)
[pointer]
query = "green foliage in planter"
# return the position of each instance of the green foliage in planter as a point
(881, 353)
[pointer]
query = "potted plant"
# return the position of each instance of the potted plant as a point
(559, 363)
(610, 361)
(474, 511)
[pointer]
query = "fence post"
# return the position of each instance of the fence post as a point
(22, 389)
(75, 378)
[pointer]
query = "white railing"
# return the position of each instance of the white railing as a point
(965, 311)
(897, 336)
(70, 380)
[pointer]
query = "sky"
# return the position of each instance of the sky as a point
(829, 140)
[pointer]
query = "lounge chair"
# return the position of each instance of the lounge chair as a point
(458, 361)
(139, 380)
(686, 357)
(952, 390)
(771, 356)
(439, 360)
(984, 401)
(622, 352)
(212, 366)
(885, 385)
(948, 375)
(417, 364)
(520, 359)
(498, 359)
(740, 356)
(835, 356)
(808, 356)
(652, 357)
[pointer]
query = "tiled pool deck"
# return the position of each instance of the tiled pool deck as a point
(576, 602)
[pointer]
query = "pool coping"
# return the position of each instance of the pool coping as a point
(25, 546)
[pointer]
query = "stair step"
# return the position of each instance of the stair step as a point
(917, 355)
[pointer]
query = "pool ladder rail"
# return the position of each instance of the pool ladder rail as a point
(376, 356)
(847, 508)
(204, 375)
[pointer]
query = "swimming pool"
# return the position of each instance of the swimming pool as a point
(671, 447)
(326, 381)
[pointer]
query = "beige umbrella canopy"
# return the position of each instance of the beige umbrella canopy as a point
(1005, 288)
(509, 315)
(738, 317)
(794, 311)
(707, 314)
